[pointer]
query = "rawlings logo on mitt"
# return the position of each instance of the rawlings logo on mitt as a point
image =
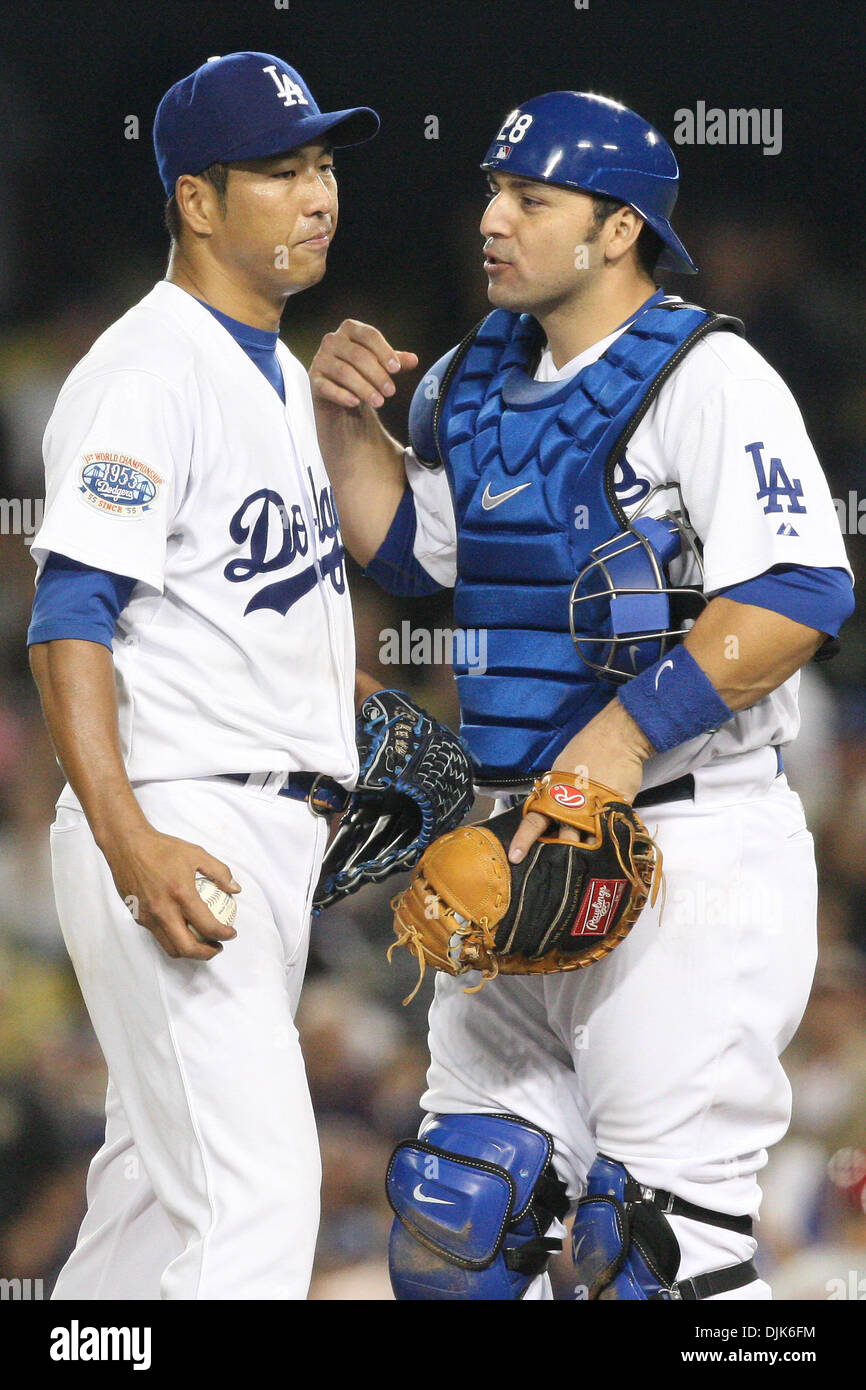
(562, 907)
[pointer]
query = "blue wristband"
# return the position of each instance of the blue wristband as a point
(673, 701)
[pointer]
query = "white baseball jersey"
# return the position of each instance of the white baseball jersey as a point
(170, 458)
(726, 430)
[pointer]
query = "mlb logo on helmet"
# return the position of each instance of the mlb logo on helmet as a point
(503, 152)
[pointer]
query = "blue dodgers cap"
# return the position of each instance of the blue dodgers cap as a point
(245, 106)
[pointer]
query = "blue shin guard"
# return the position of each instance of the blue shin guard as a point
(473, 1200)
(624, 1247)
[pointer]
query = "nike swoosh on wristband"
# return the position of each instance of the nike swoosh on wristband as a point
(440, 1201)
(491, 500)
(663, 667)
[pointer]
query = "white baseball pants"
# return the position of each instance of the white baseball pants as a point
(207, 1186)
(665, 1054)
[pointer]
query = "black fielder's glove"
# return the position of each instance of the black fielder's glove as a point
(415, 783)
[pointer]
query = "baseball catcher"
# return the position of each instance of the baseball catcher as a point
(415, 782)
(562, 907)
(621, 494)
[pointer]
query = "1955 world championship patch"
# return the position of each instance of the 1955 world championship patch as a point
(117, 484)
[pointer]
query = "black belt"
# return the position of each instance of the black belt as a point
(680, 789)
(322, 794)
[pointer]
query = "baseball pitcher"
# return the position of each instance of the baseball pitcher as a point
(193, 646)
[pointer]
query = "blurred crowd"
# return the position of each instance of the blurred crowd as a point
(366, 1053)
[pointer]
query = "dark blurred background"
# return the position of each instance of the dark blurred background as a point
(779, 242)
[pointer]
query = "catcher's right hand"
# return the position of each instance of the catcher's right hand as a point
(561, 908)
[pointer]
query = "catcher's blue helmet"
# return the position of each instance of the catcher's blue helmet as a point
(579, 140)
(624, 611)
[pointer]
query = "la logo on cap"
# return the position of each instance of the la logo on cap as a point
(290, 92)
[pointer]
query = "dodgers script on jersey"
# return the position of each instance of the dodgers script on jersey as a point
(726, 439)
(171, 459)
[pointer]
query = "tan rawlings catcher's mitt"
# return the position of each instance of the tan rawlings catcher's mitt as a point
(562, 907)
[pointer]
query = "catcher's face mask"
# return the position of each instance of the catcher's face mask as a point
(624, 613)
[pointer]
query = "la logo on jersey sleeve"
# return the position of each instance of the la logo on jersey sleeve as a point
(117, 484)
(774, 485)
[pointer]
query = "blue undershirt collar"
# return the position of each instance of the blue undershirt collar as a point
(259, 344)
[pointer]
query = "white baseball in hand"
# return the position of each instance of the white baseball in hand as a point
(221, 904)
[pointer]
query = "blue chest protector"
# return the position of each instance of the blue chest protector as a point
(531, 469)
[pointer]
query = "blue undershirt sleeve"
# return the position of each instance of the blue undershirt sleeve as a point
(394, 566)
(78, 601)
(818, 598)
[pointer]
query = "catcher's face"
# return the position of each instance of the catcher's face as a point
(278, 221)
(543, 249)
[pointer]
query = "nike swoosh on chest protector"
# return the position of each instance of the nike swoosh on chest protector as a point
(490, 500)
